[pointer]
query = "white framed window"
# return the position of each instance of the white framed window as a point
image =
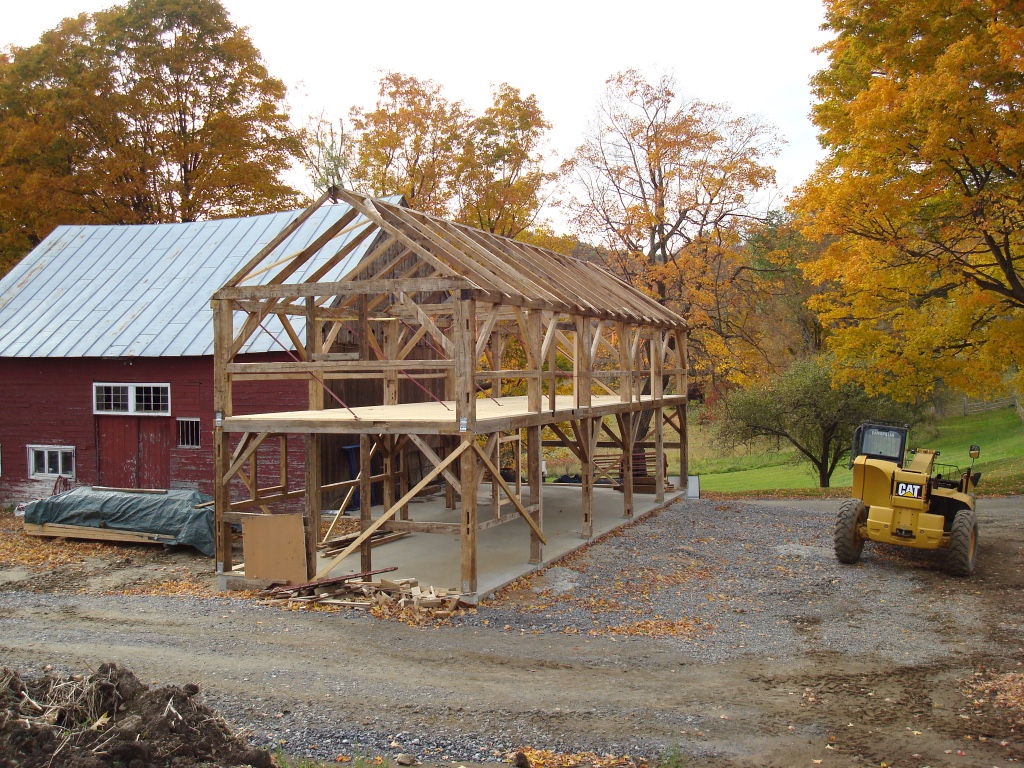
(49, 461)
(132, 399)
(188, 433)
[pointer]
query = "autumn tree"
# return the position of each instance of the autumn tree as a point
(776, 252)
(921, 111)
(156, 110)
(667, 185)
(501, 175)
(486, 171)
(801, 407)
(409, 144)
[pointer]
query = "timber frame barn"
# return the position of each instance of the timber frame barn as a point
(519, 340)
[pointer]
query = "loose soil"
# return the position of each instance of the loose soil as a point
(953, 698)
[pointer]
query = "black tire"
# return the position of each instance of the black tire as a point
(963, 545)
(846, 538)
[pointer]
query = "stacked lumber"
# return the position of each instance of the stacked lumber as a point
(338, 543)
(354, 591)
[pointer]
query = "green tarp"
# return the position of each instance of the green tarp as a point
(171, 514)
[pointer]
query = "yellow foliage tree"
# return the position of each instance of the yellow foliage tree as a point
(921, 196)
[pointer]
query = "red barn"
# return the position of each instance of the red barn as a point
(106, 342)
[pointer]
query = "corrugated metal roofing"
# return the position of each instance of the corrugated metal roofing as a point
(144, 290)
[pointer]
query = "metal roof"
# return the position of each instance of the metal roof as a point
(144, 290)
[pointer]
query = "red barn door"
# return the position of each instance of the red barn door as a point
(154, 452)
(134, 451)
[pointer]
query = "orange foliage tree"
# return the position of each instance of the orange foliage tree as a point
(921, 196)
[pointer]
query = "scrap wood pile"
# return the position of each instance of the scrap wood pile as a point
(384, 598)
(111, 718)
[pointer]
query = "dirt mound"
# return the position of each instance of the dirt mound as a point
(110, 718)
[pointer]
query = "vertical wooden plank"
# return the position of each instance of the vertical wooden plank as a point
(684, 450)
(659, 342)
(314, 444)
(582, 368)
(497, 354)
(659, 454)
(468, 508)
(363, 321)
(365, 501)
(682, 388)
(552, 371)
(626, 421)
(536, 480)
(403, 480)
(535, 340)
(223, 335)
(625, 363)
(495, 489)
(464, 330)
(584, 439)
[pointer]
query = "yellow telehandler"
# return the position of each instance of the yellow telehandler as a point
(905, 503)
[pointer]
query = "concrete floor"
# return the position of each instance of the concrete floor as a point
(503, 551)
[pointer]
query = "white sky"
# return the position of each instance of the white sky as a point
(753, 55)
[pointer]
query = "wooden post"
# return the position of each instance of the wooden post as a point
(464, 331)
(684, 451)
(223, 335)
(497, 355)
(585, 441)
(659, 344)
(403, 479)
(552, 372)
(682, 388)
(365, 501)
(536, 480)
(314, 443)
(534, 446)
(583, 369)
(626, 433)
(625, 363)
(495, 489)
(391, 350)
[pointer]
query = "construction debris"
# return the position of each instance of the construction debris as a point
(338, 543)
(354, 591)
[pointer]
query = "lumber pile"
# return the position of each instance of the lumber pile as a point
(353, 591)
(338, 543)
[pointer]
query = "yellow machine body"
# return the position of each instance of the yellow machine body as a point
(900, 501)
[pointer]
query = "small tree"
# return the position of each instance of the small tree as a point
(802, 407)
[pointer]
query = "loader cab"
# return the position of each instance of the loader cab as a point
(880, 441)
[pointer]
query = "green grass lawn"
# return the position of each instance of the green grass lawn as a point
(999, 433)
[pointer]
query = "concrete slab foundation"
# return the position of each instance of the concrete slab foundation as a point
(504, 550)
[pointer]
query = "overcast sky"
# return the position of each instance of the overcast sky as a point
(753, 55)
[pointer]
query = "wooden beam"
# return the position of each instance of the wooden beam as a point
(427, 479)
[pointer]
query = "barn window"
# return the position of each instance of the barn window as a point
(137, 399)
(188, 433)
(45, 461)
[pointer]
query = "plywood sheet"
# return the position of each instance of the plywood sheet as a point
(274, 548)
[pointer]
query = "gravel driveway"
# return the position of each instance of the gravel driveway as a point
(725, 630)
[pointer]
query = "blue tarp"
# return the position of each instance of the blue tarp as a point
(172, 514)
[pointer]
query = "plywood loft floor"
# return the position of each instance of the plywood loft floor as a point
(421, 418)
(503, 551)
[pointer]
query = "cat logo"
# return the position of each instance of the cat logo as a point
(909, 490)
